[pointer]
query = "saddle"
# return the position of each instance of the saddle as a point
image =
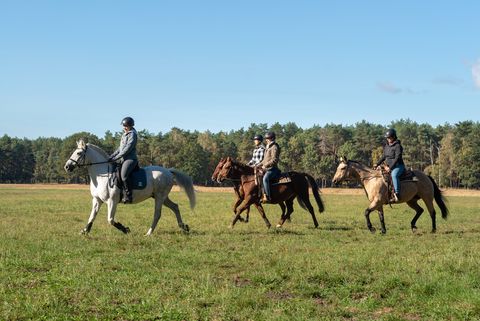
(284, 178)
(407, 176)
(136, 180)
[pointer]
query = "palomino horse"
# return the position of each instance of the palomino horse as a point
(298, 187)
(377, 192)
(158, 185)
(237, 187)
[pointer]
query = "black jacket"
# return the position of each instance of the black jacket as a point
(392, 154)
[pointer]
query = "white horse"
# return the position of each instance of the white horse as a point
(159, 184)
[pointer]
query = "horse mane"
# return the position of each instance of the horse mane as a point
(98, 150)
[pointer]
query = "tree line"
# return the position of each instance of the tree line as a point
(449, 153)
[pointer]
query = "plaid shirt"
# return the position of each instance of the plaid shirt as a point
(257, 157)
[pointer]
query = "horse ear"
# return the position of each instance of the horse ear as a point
(345, 159)
(81, 143)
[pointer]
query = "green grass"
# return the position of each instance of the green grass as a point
(337, 272)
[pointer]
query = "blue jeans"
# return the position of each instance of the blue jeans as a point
(270, 174)
(396, 172)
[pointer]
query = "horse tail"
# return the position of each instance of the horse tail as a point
(439, 199)
(186, 184)
(314, 186)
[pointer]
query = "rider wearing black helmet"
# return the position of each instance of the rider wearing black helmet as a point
(258, 152)
(392, 156)
(127, 155)
(270, 164)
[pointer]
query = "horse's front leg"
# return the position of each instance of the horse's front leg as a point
(96, 204)
(245, 205)
(112, 207)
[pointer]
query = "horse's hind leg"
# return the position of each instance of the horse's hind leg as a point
(112, 206)
(286, 214)
(432, 212)
(418, 212)
(96, 204)
(382, 220)
(308, 205)
(156, 215)
(174, 207)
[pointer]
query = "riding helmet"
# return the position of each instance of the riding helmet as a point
(258, 137)
(270, 135)
(391, 133)
(128, 121)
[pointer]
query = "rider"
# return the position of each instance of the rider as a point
(127, 155)
(258, 152)
(270, 164)
(392, 155)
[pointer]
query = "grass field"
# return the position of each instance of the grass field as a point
(337, 272)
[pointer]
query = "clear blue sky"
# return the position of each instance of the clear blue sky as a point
(70, 66)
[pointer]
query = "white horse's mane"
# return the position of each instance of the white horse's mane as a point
(98, 149)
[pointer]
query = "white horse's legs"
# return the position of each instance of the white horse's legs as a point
(96, 204)
(156, 215)
(174, 207)
(112, 207)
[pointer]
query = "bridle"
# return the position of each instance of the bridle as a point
(81, 160)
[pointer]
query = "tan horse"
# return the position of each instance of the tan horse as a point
(377, 192)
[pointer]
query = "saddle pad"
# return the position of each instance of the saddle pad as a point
(408, 175)
(138, 179)
(284, 179)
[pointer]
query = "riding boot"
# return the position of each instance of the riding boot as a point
(127, 194)
(395, 198)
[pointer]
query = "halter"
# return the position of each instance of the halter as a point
(82, 159)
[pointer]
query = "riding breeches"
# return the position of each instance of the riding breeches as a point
(128, 166)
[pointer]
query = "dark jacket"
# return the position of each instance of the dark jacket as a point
(272, 156)
(392, 154)
(127, 149)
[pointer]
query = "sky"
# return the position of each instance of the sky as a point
(72, 66)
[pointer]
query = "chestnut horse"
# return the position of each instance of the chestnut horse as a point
(298, 187)
(237, 188)
(377, 192)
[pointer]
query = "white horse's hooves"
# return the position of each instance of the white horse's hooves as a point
(83, 232)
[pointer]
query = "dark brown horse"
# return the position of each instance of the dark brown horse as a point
(298, 187)
(237, 187)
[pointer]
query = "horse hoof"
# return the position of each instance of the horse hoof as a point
(186, 228)
(384, 232)
(230, 226)
(84, 232)
(127, 230)
(372, 230)
(269, 226)
(434, 231)
(414, 229)
(279, 226)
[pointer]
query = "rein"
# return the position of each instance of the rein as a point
(83, 159)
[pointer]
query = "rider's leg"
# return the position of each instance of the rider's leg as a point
(127, 167)
(396, 172)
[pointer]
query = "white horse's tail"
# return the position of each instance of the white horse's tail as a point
(186, 184)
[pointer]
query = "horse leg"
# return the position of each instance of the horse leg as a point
(262, 213)
(382, 220)
(174, 207)
(308, 205)
(369, 223)
(286, 215)
(432, 212)
(284, 210)
(157, 213)
(112, 206)
(235, 206)
(96, 203)
(418, 212)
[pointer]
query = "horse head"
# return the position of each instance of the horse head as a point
(78, 156)
(342, 171)
(225, 170)
(218, 168)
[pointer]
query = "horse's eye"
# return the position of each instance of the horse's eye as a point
(79, 153)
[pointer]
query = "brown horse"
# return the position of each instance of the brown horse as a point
(376, 189)
(237, 188)
(298, 187)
